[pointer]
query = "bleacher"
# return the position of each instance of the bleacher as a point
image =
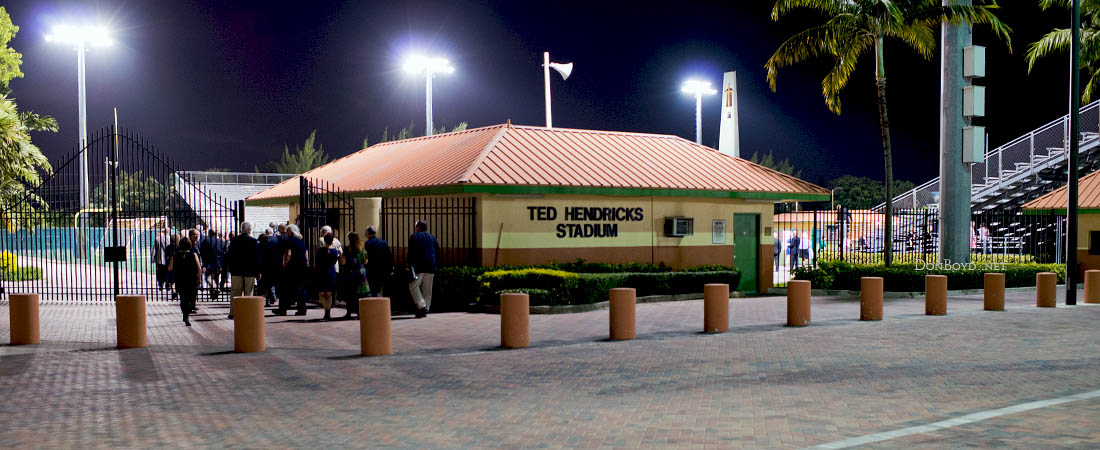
(232, 187)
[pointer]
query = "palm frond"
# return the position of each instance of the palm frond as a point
(830, 7)
(843, 67)
(919, 37)
(1055, 41)
(816, 41)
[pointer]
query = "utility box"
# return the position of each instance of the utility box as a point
(974, 61)
(974, 101)
(973, 144)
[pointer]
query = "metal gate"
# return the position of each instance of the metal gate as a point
(60, 246)
(322, 203)
(452, 220)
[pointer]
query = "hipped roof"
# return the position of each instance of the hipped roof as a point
(1088, 196)
(524, 159)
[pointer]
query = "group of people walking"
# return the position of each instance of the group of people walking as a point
(277, 266)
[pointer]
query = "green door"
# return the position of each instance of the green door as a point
(746, 249)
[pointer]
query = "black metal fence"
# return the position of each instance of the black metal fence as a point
(61, 246)
(451, 219)
(806, 238)
(323, 204)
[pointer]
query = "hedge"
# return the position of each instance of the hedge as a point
(25, 273)
(910, 277)
(568, 288)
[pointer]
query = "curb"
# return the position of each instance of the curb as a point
(897, 294)
(571, 309)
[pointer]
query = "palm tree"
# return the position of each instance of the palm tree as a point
(856, 27)
(1058, 40)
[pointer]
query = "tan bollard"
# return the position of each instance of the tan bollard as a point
(1046, 289)
(935, 295)
(515, 320)
(798, 303)
(716, 308)
(130, 321)
(622, 304)
(870, 298)
(994, 292)
(374, 326)
(1092, 286)
(23, 312)
(248, 324)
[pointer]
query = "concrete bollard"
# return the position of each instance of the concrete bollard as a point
(23, 312)
(1092, 286)
(935, 295)
(994, 292)
(374, 326)
(248, 324)
(870, 298)
(798, 303)
(716, 308)
(622, 303)
(130, 321)
(515, 320)
(1046, 289)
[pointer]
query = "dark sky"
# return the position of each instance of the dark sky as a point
(227, 84)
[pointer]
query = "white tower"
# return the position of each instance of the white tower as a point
(729, 138)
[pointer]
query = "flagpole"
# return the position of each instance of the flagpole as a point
(546, 82)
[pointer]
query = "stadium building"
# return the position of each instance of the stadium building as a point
(509, 195)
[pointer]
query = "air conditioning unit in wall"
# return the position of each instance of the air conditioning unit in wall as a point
(679, 226)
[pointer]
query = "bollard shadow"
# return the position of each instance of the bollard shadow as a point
(137, 365)
(12, 365)
(347, 357)
(223, 352)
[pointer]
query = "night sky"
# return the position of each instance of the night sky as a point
(227, 84)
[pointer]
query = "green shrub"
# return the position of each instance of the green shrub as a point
(709, 268)
(582, 266)
(567, 288)
(910, 277)
(25, 273)
(535, 296)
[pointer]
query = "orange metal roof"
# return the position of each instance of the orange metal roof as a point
(1088, 195)
(536, 156)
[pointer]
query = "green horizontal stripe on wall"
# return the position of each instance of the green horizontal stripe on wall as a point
(575, 190)
(1039, 212)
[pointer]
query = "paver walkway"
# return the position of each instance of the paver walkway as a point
(447, 386)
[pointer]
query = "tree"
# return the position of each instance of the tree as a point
(23, 163)
(1058, 41)
(861, 192)
(305, 158)
(137, 192)
(409, 132)
(853, 28)
(769, 161)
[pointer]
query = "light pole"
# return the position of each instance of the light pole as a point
(698, 88)
(81, 38)
(429, 67)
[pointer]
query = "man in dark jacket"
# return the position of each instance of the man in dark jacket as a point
(270, 263)
(294, 272)
(423, 249)
(243, 261)
(211, 251)
(379, 262)
(793, 244)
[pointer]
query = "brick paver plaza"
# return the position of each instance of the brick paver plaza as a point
(447, 385)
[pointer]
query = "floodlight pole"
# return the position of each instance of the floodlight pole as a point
(428, 89)
(699, 118)
(1074, 144)
(83, 106)
(954, 201)
(546, 83)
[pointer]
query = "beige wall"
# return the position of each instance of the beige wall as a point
(509, 234)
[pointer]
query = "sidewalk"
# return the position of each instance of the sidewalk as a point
(448, 386)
